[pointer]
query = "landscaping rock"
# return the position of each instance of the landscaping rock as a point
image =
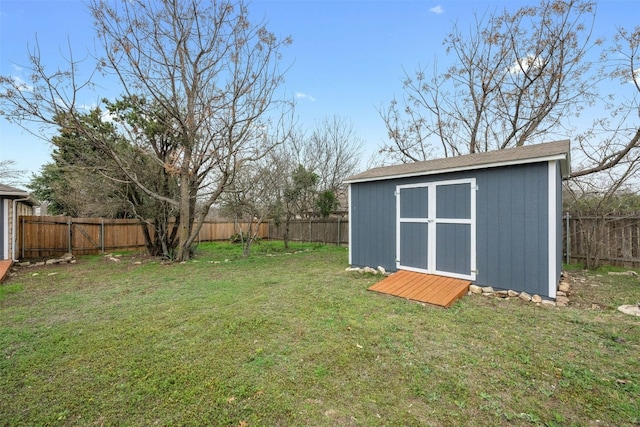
(502, 294)
(561, 294)
(475, 289)
(524, 296)
(564, 287)
(370, 270)
(352, 269)
(536, 299)
(562, 301)
(548, 303)
(633, 310)
(512, 293)
(487, 290)
(381, 270)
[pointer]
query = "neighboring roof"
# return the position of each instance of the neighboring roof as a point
(9, 192)
(559, 150)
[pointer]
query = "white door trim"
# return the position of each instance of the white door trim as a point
(432, 220)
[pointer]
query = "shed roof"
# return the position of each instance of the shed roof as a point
(559, 150)
(9, 192)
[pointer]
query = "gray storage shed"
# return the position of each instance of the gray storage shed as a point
(493, 218)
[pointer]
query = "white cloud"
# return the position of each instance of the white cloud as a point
(437, 10)
(302, 95)
(21, 85)
(524, 64)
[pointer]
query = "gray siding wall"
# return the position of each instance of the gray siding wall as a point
(2, 230)
(512, 228)
(372, 219)
(512, 248)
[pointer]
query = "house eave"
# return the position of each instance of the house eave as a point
(22, 196)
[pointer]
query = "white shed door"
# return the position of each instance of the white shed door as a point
(436, 228)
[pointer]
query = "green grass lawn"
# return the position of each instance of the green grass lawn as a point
(293, 339)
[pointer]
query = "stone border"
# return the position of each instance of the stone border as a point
(379, 270)
(65, 259)
(562, 299)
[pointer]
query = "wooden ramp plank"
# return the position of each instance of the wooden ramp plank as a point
(428, 288)
(5, 265)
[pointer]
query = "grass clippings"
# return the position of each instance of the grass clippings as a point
(291, 338)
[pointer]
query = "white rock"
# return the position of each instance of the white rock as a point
(370, 270)
(475, 289)
(633, 310)
(381, 270)
(524, 296)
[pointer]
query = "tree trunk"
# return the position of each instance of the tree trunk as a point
(185, 216)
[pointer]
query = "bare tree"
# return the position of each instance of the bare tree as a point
(9, 175)
(255, 196)
(212, 73)
(609, 162)
(332, 152)
(515, 80)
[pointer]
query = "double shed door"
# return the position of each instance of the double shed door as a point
(436, 228)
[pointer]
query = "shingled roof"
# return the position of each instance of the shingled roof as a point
(9, 192)
(559, 150)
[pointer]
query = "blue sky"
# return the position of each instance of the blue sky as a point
(347, 57)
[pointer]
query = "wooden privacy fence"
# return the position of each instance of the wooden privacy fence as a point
(597, 240)
(43, 236)
(613, 240)
(323, 230)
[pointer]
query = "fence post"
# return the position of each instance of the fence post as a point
(102, 235)
(338, 231)
(69, 235)
(23, 238)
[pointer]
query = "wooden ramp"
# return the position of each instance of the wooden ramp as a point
(5, 265)
(427, 288)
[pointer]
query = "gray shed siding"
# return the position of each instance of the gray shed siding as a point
(373, 225)
(512, 228)
(512, 225)
(3, 232)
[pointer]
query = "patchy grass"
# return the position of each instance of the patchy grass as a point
(290, 338)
